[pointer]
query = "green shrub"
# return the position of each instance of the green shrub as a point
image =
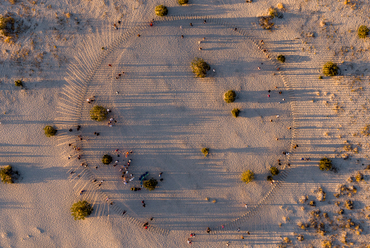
(269, 178)
(363, 31)
(200, 67)
(107, 159)
(229, 96)
(161, 10)
(274, 171)
(247, 176)
(235, 112)
(281, 58)
(325, 164)
(50, 131)
(8, 175)
(18, 83)
(150, 184)
(330, 69)
(205, 151)
(98, 113)
(81, 209)
(182, 2)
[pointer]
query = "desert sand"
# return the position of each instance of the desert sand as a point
(68, 51)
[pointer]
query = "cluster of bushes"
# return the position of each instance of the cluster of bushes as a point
(274, 172)
(8, 175)
(81, 209)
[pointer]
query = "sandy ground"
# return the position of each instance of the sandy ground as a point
(166, 116)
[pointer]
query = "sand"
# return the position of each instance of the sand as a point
(166, 116)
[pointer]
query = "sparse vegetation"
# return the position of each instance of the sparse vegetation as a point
(363, 31)
(274, 171)
(8, 175)
(325, 164)
(18, 83)
(247, 176)
(150, 184)
(98, 113)
(81, 209)
(200, 67)
(50, 131)
(182, 2)
(330, 69)
(235, 112)
(281, 58)
(326, 244)
(205, 151)
(107, 159)
(366, 130)
(229, 96)
(161, 10)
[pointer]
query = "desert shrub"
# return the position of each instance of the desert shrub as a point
(325, 164)
(18, 83)
(273, 12)
(247, 176)
(107, 159)
(181, 2)
(50, 131)
(8, 175)
(6, 26)
(81, 209)
(205, 151)
(349, 204)
(150, 184)
(274, 171)
(359, 177)
(266, 22)
(235, 112)
(363, 31)
(229, 96)
(281, 58)
(200, 67)
(161, 10)
(330, 69)
(98, 113)
(269, 178)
